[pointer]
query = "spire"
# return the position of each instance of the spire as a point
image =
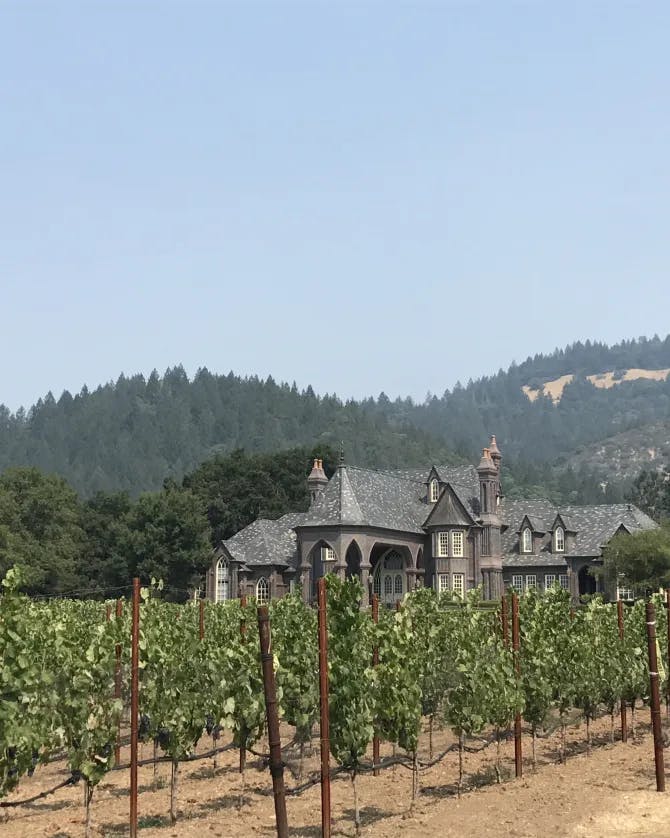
(494, 451)
(341, 453)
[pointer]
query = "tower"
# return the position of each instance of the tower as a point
(490, 552)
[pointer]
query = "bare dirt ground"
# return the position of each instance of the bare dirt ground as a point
(608, 793)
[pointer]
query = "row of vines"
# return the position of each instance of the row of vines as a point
(440, 659)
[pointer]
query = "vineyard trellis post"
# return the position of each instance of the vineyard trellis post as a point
(375, 662)
(134, 705)
(324, 719)
(117, 681)
(622, 701)
(667, 622)
(243, 635)
(518, 767)
(503, 621)
(655, 700)
(274, 739)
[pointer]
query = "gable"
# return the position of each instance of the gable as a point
(449, 511)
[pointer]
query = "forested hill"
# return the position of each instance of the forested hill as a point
(601, 391)
(133, 434)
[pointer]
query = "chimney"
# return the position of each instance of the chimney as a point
(317, 480)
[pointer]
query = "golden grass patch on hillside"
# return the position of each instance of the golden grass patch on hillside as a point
(603, 380)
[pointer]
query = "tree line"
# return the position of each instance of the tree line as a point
(92, 547)
(132, 434)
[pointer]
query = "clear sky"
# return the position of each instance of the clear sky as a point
(358, 196)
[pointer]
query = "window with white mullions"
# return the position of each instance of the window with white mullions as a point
(443, 544)
(443, 582)
(517, 582)
(222, 588)
(563, 581)
(262, 591)
(458, 583)
(457, 543)
(549, 581)
(527, 541)
(434, 491)
(559, 540)
(531, 581)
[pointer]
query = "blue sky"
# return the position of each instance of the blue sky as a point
(358, 196)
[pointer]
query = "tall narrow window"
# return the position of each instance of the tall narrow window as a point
(388, 585)
(443, 544)
(559, 540)
(486, 541)
(531, 581)
(262, 591)
(397, 584)
(434, 491)
(222, 589)
(443, 582)
(527, 541)
(458, 583)
(563, 581)
(457, 543)
(517, 583)
(549, 581)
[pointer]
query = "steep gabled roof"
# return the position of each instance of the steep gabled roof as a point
(386, 499)
(449, 511)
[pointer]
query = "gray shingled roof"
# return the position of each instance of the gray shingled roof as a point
(595, 525)
(392, 500)
(266, 542)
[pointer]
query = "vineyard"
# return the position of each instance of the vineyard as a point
(436, 678)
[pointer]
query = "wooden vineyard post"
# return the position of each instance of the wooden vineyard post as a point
(201, 619)
(243, 635)
(274, 739)
(655, 702)
(134, 706)
(504, 622)
(624, 724)
(518, 768)
(375, 662)
(117, 682)
(324, 720)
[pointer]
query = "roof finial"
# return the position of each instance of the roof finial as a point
(342, 452)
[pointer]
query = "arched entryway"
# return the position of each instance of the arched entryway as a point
(322, 561)
(587, 582)
(353, 560)
(389, 580)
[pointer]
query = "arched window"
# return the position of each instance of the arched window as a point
(559, 540)
(397, 584)
(222, 589)
(527, 541)
(262, 591)
(434, 490)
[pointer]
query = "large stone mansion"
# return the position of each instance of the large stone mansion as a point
(443, 527)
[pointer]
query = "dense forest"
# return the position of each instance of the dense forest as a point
(94, 547)
(134, 434)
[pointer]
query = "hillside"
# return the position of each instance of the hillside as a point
(623, 456)
(136, 432)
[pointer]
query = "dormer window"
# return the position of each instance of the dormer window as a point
(434, 490)
(527, 541)
(559, 539)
